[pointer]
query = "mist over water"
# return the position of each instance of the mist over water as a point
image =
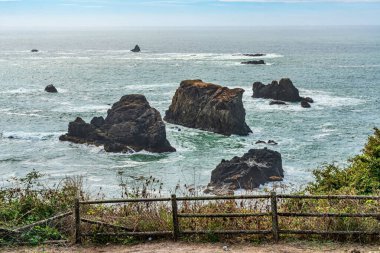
(338, 67)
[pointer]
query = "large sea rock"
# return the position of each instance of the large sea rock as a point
(209, 107)
(257, 167)
(283, 90)
(131, 125)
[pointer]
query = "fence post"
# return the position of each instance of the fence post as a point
(275, 231)
(78, 236)
(175, 217)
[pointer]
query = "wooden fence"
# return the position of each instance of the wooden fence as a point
(176, 231)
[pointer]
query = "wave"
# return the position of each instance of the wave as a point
(66, 107)
(25, 114)
(31, 136)
(327, 99)
(19, 91)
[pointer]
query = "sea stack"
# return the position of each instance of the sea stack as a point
(209, 107)
(255, 168)
(131, 125)
(136, 49)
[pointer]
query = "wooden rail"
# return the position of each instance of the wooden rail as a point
(273, 213)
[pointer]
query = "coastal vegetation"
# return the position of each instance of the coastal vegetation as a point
(28, 200)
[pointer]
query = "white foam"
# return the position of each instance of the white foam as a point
(19, 91)
(327, 99)
(25, 114)
(321, 99)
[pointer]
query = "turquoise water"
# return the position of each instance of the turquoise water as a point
(338, 67)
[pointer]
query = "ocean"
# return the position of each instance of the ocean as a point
(339, 67)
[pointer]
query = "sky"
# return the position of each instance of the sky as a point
(138, 13)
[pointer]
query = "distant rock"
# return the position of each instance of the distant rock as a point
(254, 55)
(259, 62)
(305, 104)
(136, 49)
(307, 99)
(208, 107)
(283, 90)
(131, 125)
(257, 167)
(34, 50)
(277, 102)
(272, 142)
(51, 89)
(260, 142)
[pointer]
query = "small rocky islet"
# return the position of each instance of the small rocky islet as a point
(280, 92)
(51, 89)
(133, 125)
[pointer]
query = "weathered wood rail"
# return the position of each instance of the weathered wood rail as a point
(274, 198)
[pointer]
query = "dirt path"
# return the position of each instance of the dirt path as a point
(165, 247)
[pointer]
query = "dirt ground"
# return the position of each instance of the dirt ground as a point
(163, 247)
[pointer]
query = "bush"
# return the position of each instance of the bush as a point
(360, 176)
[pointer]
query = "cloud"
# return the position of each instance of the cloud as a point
(300, 1)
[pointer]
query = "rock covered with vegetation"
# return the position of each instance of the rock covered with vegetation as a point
(257, 167)
(131, 125)
(209, 107)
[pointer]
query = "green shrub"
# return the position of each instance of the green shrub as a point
(360, 176)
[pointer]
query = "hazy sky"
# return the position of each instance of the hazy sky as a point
(95, 13)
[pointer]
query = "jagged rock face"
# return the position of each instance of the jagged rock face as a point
(257, 167)
(131, 125)
(208, 107)
(283, 90)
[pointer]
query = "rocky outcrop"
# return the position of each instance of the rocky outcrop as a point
(255, 55)
(131, 125)
(307, 99)
(51, 89)
(34, 50)
(257, 167)
(277, 102)
(283, 90)
(259, 62)
(305, 104)
(136, 49)
(208, 107)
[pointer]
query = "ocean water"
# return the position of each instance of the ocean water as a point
(338, 67)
